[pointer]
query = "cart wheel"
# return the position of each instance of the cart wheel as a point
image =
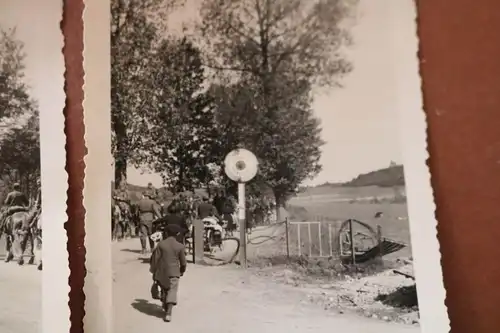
(364, 237)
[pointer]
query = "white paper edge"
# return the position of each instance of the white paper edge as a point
(97, 188)
(421, 207)
(55, 314)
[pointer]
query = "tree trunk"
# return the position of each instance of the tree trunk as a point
(121, 149)
(278, 200)
(180, 184)
(120, 171)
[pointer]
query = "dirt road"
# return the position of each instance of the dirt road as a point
(20, 296)
(224, 300)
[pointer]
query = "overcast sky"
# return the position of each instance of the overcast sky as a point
(35, 23)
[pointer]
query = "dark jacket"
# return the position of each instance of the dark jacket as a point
(16, 198)
(219, 203)
(168, 260)
(227, 208)
(206, 209)
(176, 219)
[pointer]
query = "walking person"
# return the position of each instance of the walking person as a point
(227, 215)
(206, 209)
(174, 217)
(148, 212)
(218, 201)
(124, 218)
(168, 264)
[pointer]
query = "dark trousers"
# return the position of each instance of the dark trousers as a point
(231, 226)
(145, 230)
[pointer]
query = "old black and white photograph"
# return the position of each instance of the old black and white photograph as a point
(258, 180)
(31, 90)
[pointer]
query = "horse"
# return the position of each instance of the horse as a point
(18, 229)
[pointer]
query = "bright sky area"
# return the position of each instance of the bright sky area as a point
(360, 124)
(360, 120)
(35, 27)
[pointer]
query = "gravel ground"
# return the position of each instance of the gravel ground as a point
(373, 296)
(225, 299)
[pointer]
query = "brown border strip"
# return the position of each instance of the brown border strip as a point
(72, 27)
(460, 68)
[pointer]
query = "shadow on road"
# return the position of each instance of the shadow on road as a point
(147, 308)
(145, 260)
(131, 251)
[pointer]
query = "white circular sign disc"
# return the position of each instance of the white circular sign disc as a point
(241, 165)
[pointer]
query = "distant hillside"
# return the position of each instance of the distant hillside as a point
(388, 177)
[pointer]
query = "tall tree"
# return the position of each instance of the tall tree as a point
(288, 153)
(19, 120)
(181, 129)
(135, 29)
(20, 153)
(300, 39)
(279, 49)
(14, 97)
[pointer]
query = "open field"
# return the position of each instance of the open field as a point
(329, 210)
(338, 205)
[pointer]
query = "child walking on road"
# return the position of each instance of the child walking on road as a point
(168, 264)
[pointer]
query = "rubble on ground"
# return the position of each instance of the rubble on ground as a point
(385, 296)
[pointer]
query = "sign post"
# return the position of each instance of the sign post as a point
(198, 250)
(242, 223)
(241, 166)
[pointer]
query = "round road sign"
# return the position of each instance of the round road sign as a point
(241, 165)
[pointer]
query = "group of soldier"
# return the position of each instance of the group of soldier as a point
(149, 214)
(15, 198)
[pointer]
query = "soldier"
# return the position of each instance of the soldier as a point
(153, 193)
(148, 212)
(206, 209)
(175, 216)
(122, 199)
(121, 195)
(15, 198)
(219, 201)
(39, 193)
(183, 205)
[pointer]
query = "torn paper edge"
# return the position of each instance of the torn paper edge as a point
(421, 207)
(97, 188)
(54, 181)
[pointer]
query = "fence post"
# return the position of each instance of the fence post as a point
(330, 242)
(299, 241)
(309, 238)
(320, 240)
(379, 239)
(351, 236)
(287, 238)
